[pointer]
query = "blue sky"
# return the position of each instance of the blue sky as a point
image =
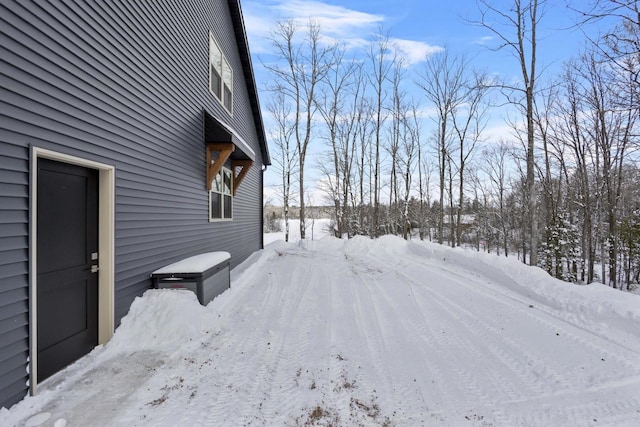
(420, 28)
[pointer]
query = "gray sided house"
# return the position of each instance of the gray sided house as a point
(130, 138)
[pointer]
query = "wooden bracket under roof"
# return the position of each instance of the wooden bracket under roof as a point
(239, 167)
(244, 166)
(214, 167)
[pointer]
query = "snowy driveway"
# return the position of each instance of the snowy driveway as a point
(362, 333)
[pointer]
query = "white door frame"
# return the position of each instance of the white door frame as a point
(106, 250)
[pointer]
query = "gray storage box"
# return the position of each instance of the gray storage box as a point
(206, 274)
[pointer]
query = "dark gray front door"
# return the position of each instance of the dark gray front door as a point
(67, 246)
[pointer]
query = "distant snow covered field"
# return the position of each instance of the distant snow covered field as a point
(361, 332)
(315, 229)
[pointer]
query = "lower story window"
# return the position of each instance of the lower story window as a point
(221, 196)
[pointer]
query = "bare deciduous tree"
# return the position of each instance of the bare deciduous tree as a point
(571, 131)
(333, 106)
(303, 62)
(286, 157)
(496, 168)
(469, 121)
(379, 52)
(441, 82)
(516, 31)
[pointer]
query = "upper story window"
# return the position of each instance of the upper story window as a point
(220, 75)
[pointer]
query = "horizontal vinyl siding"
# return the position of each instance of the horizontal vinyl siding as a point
(122, 83)
(14, 265)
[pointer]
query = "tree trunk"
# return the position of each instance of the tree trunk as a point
(301, 194)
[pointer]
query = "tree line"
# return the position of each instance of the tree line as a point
(409, 154)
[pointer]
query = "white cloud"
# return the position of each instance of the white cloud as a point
(413, 51)
(499, 130)
(423, 112)
(335, 20)
(482, 41)
(349, 27)
(259, 21)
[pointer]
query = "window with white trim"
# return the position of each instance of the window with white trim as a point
(221, 196)
(220, 75)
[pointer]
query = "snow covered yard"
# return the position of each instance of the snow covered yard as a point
(361, 332)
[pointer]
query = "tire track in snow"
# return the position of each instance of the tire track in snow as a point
(310, 344)
(337, 374)
(406, 386)
(259, 353)
(370, 332)
(378, 351)
(451, 314)
(454, 350)
(306, 360)
(612, 407)
(296, 309)
(553, 322)
(376, 309)
(438, 379)
(501, 292)
(267, 353)
(293, 297)
(448, 351)
(510, 358)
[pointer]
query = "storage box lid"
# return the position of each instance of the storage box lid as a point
(195, 264)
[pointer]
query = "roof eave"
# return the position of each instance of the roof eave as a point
(247, 67)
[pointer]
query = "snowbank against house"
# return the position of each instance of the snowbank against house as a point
(163, 320)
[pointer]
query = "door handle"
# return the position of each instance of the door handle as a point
(94, 268)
